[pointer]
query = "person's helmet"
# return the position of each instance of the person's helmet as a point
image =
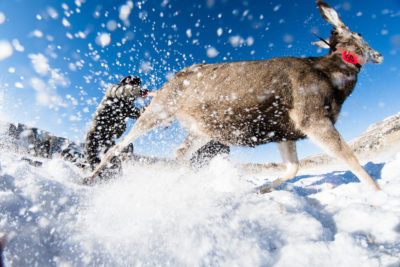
(134, 81)
(131, 80)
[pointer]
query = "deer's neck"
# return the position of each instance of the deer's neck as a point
(342, 74)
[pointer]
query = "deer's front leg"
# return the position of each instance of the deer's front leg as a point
(323, 133)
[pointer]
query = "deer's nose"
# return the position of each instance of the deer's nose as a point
(379, 57)
(376, 57)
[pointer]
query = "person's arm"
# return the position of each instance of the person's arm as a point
(123, 91)
(134, 112)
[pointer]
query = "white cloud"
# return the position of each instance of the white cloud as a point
(42, 95)
(17, 45)
(3, 115)
(40, 63)
(74, 118)
(6, 49)
(45, 95)
(58, 79)
(2, 18)
(46, 92)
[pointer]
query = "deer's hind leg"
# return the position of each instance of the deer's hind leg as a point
(195, 137)
(192, 143)
(156, 114)
(288, 153)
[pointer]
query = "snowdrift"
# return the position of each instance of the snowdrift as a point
(160, 215)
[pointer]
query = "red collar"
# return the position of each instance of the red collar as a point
(350, 57)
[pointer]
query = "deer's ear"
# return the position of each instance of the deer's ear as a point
(321, 44)
(330, 15)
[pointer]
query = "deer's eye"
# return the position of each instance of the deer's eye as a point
(359, 34)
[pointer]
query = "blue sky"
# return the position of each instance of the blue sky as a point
(57, 57)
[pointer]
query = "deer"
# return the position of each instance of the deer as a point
(250, 103)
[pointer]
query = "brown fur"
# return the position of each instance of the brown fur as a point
(255, 102)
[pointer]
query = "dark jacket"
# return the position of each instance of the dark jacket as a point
(109, 121)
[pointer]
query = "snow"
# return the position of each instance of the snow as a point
(236, 40)
(103, 39)
(124, 12)
(19, 85)
(276, 8)
(189, 33)
(52, 12)
(163, 215)
(287, 38)
(66, 23)
(112, 25)
(6, 49)
(171, 215)
(212, 52)
(36, 33)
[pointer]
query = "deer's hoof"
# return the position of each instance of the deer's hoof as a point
(265, 189)
(86, 180)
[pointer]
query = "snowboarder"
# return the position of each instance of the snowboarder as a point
(109, 121)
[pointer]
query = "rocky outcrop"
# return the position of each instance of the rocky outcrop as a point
(378, 137)
(39, 143)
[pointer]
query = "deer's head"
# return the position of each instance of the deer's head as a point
(341, 36)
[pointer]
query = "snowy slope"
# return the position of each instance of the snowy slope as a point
(162, 216)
